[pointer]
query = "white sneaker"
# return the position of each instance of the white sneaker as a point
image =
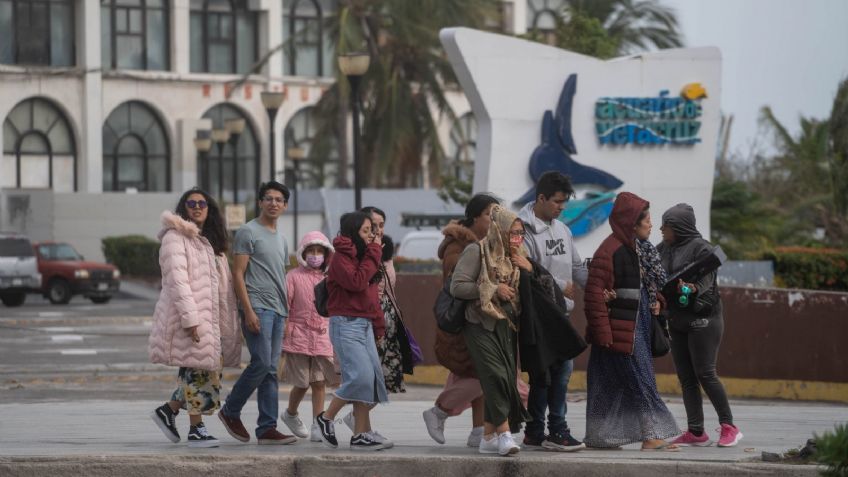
(474, 437)
(349, 421)
(507, 445)
(434, 419)
(488, 446)
(315, 433)
(376, 436)
(294, 424)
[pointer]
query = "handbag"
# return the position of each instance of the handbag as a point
(660, 340)
(414, 348)
(449, 310)
(322, 296)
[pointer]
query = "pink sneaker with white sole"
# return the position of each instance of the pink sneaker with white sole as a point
(689, 439)
(730, 436)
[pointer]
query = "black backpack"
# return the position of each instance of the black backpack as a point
(449, 310)
(322, 296)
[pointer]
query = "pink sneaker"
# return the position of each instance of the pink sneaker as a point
(689, 439)
(730, 436)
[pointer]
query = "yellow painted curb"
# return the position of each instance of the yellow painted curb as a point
(668, 384)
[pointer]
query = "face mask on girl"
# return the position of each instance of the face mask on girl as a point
(315, 261)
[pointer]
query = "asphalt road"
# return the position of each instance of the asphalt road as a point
(84, 351)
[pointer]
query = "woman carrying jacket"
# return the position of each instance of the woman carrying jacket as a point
(623, 405)
(355, 319)
(696, 330)
(195, 325)
(462, 389)
(487, 275)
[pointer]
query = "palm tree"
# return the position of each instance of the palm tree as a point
(404, 90)
(634, 25)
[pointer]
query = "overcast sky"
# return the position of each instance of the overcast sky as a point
(789, 54)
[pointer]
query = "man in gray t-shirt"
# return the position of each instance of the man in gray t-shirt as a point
(265, 277)
(259, 279)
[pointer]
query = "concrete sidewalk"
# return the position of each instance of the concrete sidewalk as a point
(103, 437)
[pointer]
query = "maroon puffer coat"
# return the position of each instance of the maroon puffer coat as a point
(615, 266)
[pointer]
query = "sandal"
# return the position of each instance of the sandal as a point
(664, 447)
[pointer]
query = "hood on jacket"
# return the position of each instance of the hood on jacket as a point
(314, 238)
(530, 220)
(681, 219)
(173, 221)
(455, 232)
(344, 246)
(625, 213)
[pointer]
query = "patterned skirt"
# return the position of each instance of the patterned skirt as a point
(623, 405)
(199, 391)
(389, 349)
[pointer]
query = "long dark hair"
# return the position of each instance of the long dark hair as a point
(213, 228)
(349, 226)
(373, 210)
(476, 206)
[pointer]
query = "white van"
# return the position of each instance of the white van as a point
(421, 245)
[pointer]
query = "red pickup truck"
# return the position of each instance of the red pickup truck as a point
(65, 273)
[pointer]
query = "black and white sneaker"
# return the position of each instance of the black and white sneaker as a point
(328, 431)
(165, 419)
(365, 442)
(198, 436)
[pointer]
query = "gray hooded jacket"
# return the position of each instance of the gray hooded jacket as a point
(552, 246)
(688, 247)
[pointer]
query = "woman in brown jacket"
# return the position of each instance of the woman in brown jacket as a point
(462, 389)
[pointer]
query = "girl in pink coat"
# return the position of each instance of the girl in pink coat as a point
(306, 343)
(195, 325)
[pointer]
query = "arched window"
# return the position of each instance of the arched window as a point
(38, 147)
(320, 164)
(134, 34)
(223, 36)
(37, 32)
(462, 148)
(543, 16)
(135, 150)
(233, 173)
(309, 49)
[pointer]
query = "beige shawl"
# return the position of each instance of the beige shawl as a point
(496, 266)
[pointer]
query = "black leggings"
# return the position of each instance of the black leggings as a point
(694, 346)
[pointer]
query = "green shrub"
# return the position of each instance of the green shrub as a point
(810, 268)
(832, 451)
(134, 255)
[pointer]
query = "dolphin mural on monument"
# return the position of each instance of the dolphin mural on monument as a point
(554, 154)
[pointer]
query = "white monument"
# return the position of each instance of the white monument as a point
(646, 123)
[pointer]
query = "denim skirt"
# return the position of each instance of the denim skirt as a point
(362, 373)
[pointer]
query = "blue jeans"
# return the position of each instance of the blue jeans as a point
(261, 374)
(551, 397)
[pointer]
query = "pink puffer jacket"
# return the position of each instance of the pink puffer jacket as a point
(307, 332)
(196, 291)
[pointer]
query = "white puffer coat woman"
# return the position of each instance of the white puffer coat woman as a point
(196, 291)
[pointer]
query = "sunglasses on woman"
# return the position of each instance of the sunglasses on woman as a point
(196, 204)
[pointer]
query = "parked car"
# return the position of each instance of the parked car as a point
(18, 269)
(421, 245)
(65, 273)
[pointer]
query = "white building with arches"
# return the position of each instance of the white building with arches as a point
(101, 101)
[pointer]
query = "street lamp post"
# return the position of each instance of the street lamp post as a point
(296, 154)
(203, 144)
(235, 127)
(272, 100)
(220, 138)
(354, 66)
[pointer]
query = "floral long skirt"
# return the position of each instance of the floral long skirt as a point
(389, 349)
(199, 391)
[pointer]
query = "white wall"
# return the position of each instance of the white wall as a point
(511, 82)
